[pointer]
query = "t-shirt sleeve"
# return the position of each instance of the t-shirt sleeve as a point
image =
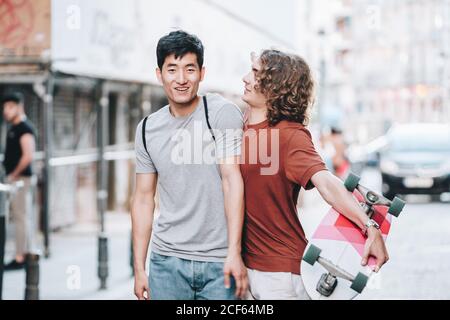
(228, 131)
(144, 163)
(26, 129)
(302, 159)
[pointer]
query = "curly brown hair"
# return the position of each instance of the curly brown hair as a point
(287, 83)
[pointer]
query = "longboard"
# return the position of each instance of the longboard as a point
(331, 265)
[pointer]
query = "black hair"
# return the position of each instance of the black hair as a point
(179, 43)
(16, 97)
(335, 130)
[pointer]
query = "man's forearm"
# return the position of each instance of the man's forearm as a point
(142, 220)
(233, 190)
(24, 162)
(334, 192)
(340, 199)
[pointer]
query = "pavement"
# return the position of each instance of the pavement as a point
(70, 273)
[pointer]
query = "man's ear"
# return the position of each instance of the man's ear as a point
(202, 73)
(158, 75)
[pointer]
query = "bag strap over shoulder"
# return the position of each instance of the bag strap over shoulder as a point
(143, 134)
(205, 104)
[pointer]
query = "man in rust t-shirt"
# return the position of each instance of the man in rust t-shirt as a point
(274, 239)
(278, 159)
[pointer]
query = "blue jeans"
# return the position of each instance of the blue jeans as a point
(173, 278)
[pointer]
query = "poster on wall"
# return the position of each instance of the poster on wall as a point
(25, 29)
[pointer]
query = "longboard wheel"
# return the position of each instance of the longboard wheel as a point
(312, 254)
(351, 182)
(396, 207)
(360, 282)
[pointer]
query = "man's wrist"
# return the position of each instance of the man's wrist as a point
(372, 230)
(139, 269)
(234, 251)
(370, 226)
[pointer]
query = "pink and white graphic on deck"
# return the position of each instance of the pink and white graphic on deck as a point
(337, 227)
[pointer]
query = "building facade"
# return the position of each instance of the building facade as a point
(378, 62)
(73, 59)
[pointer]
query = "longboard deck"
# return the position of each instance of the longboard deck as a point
(342, 242)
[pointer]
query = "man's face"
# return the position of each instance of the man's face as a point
(11, 110)
(252, 95)
(181, 77)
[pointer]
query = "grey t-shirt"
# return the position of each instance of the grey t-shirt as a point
(192, 223)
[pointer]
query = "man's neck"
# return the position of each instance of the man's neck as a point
(18, 119)
(257, 115)
(182, 110)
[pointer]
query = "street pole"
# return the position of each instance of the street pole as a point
(3, 209)
(48, 147)
(32, 277)
(32, 269)
(2, 213)
(102, 193)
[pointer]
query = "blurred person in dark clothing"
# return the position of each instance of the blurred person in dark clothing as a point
(20, 147)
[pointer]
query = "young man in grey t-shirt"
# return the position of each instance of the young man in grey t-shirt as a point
(190, 149)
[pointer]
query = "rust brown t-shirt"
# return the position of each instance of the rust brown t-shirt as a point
(276, 162)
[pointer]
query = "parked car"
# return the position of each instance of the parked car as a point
(416, 160)
(367, 155)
